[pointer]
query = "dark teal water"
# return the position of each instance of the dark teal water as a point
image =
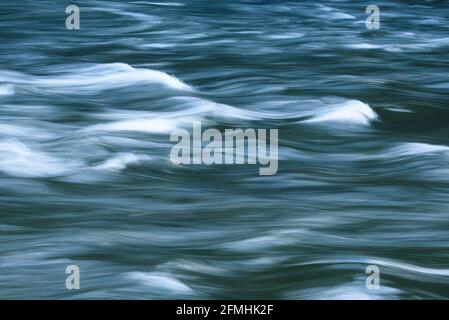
(85, 175)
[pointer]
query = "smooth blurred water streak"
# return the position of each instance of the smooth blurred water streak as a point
(85, 175)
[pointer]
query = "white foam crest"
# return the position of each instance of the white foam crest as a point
(413, 148)
(253, 243)
(424, 44)
(364, 46)
(341, 16)
(350, 291)
(223, 110)
(352, 112)
(95, 78)
(160, 281)
(264, 241)
(193, 266)
(187, 110)
(409, 267)
(121, 161)
(325, 8)
(7, 90)
(369, 46)
(334, 13)
(287, 35)
(136, 125)
(166, 4)
(17, 159)
(203, 107)
(13, 131)
(118, 9)
(381, 262)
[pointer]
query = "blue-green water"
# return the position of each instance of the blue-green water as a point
(86, 179)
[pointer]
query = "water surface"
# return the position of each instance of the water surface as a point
(86, 179)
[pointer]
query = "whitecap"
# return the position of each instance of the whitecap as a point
(121, 161)
(413, 148)
(7, 90)
(95, 78)
(136, 125)
(364, 46)
(118, 10)
(264, 241)
(400, 109)
(387, 263)
(185, 110)
(160, 281)
(165, 4)
(325, 8)
(352, 112)
(202, 107)
(409, 267)
(253, 243)
(351, 291)
(17, 159)
(288, 35)
(14, 131)
(193, 266)
(369, 46)
(335, 13)
(159, 45)
(341, 16)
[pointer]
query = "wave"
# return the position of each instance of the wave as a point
(13, 131)
(165, 4)
(335, 14)
(95, 78)
(203, 107)
(364, 46)
(182, 110)
(136, 125)
(160, 281)
(409, 267)
(351, 112)
(387, 263)
(341, 16)
(351, 291)
(413, 148)
(121, 161)
(7, 90)
(179, 111)
(415, 44)
(19, 160)
(118, 9)
(284, 36)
